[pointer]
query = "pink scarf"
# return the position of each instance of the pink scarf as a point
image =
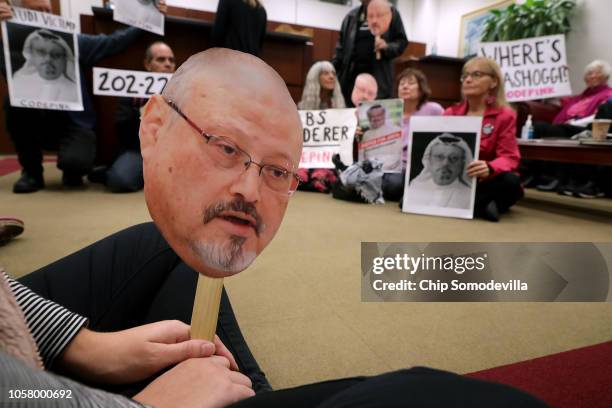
(583, 105)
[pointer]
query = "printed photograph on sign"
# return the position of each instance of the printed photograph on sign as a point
(381, 122)
(140, 13)
(41, 61)
(440, 149)
(325, 133)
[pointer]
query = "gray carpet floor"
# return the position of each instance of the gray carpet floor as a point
(299, 304)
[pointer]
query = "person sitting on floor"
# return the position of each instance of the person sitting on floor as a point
(364, 90)
(218, 179)
(125, 174)
(584, 181)
(499, 186)
(321, 91)
(413, 89)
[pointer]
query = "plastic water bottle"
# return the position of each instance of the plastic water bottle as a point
(527, 131)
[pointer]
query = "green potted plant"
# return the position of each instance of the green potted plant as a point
(534, 18)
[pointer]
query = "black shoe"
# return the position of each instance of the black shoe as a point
(530, 181)
(569, 189)
(551, 186)
(491, 212)
(589, 190)
(338, 163)
(28, 183)
(72, 180)
(98, 175)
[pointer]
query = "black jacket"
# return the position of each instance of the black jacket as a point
(382, 69)
(239, 26)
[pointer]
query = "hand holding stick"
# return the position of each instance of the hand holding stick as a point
(206, 308)
(379, 16)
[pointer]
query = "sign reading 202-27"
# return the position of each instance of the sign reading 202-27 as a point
(135, 84)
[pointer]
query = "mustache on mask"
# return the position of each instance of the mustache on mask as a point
(237, 205)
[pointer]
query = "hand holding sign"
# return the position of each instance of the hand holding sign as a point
(5, 11)
(379, 19)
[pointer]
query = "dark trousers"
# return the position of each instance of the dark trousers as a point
(35, 130)
(133, 278)
(543, 130)
(125, 174)
(417, 387)
(393, 186)
(505, 190)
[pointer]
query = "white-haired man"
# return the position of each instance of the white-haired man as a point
(357, 48)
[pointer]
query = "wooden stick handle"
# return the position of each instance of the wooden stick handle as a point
(206, 308)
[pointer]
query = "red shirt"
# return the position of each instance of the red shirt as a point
(498, 145)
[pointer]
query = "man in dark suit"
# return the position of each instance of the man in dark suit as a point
(356, 50)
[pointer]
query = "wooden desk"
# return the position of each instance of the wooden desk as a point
(564, 150)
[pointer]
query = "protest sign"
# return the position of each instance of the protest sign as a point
(325, 133)
(41, 54)
(134, 84)
(533, 68)
(382, 133)
(440, 148)
(140, 13)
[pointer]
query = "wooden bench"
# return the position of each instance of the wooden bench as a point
(566, 151)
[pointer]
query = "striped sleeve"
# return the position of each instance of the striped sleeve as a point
(50, 390)
(51, 325)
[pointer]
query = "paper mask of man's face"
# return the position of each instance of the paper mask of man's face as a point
(379, 18)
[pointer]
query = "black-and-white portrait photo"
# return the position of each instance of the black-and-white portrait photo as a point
(48, 69)
(42, 67)
(441, 180)
(436, 181)
(140, 13)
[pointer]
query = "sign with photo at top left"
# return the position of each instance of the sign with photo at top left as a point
(439, 150)
(381, 123)
(41, 55)
(140, 13)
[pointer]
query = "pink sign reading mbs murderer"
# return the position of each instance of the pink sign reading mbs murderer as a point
(533, 68)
